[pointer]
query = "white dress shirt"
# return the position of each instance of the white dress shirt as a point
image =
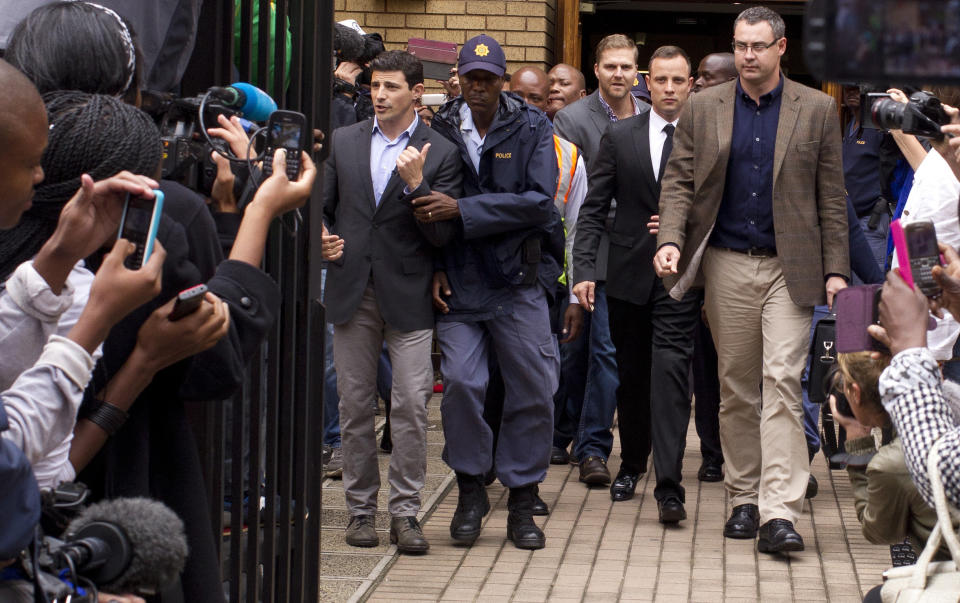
(657, 138)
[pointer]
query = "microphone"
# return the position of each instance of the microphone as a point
(254, 103)
(126, 545)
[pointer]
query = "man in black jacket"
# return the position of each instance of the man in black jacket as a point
(652, 332)
(378, 288)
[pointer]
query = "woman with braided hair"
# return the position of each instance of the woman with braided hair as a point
(112, 136)
(77, 46)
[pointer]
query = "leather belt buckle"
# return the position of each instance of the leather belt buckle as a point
(754, 252)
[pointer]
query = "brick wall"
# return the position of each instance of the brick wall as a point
(525, 28)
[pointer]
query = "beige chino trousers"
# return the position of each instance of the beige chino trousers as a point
(761, 336)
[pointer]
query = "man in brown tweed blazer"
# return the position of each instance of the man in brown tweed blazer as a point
(753, 204)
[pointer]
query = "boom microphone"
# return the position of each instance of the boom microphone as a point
(252, 102)
(126, 545)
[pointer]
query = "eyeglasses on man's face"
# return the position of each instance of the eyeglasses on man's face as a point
(757, 47)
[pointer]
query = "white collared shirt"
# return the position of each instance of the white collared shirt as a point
(472, 138)
(657, 138)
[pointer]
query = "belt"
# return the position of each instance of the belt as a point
(754, 252)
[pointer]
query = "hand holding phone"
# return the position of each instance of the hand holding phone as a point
(139, 224)
(917, 254)
(115, 291)
(162, 342)
(188, 301)
(286, 130)
(903, 313)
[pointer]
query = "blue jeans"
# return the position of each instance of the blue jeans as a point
(331, 399)
(587, 398)
(877, 238)
(811, 410)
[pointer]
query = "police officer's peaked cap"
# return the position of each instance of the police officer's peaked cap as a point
(482, 52)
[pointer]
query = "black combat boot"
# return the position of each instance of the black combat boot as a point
(472, 505)
(521, 528)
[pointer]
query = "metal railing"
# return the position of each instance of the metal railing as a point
(261, 451)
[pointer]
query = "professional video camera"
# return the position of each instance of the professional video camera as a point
(186, 144)
(186, 153)
(126, 545)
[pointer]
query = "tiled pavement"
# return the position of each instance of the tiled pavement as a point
(600, 551)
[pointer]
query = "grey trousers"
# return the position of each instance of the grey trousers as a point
(356, 349)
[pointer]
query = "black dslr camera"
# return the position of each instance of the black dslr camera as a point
(922, 116)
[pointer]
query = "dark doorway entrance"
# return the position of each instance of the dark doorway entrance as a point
(700, 28)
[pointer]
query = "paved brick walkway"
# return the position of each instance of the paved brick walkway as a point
(600, 551)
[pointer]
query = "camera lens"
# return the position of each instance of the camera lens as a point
(888, 113)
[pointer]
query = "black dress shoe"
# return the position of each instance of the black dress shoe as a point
(710, 471)
(743, 522)
(671, 510)
(559, 456)
(594, 472)
(472, 505)
(624, 486)
(778, 536)
(812, 487)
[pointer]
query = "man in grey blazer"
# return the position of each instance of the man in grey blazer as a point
(583, 123)
(378, 289)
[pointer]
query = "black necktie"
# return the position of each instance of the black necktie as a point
(667, 147)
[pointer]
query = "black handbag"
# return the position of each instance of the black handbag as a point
(823, 359)
(823, 356)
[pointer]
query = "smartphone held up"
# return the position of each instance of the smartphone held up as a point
(139, 224)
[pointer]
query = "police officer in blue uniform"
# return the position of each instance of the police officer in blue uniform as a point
(869, 157)
(493, 287)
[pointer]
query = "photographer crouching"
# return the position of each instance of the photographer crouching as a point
(889, 506)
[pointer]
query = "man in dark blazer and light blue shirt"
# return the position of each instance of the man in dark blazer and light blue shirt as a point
(378, 288)
(652, 332)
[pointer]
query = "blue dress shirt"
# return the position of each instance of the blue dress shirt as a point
(384, 153)
(745, 218)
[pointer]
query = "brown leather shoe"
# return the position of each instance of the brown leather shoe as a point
(405, 532)
(593, 471)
